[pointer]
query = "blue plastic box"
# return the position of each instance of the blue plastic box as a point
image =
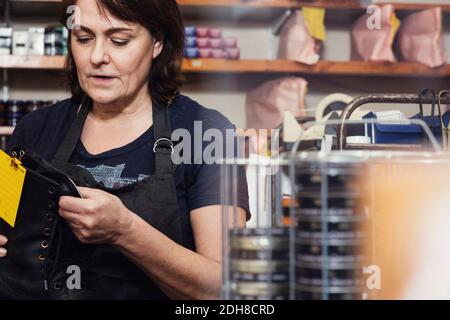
(404, 133)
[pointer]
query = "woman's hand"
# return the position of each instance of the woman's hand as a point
(98, 218)
(3, 241)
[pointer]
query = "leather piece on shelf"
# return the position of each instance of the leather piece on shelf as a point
(266, 104)
(420, 38)
(296, 42)
(373, 36)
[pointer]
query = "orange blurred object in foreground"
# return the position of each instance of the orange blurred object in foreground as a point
(410, 211)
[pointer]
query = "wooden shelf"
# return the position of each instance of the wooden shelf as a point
(326, 68)
(6, 131)
(356, 4)
(32, 62)
(241, 3)
(323, 68)
(341, 11)
(327, 4)
(196, 3)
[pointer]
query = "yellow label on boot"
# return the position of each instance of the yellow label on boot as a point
(12, 178)
(315, 21)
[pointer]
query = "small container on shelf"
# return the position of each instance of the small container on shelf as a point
(205, 53)
(36, 36)
(65, 47)
(216, 43)
(5, 40)
(190, 31)
(191, 53)
(201, 32)
(14, 112)
(218, 54)
(215, 33)
(233, 53)
(20, 43)
(191, 42)
(203, 43)
(54, 41)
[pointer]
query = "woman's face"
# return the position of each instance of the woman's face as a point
(113, 57)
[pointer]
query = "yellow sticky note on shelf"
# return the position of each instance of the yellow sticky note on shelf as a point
(12, 178)
(315, 21)
(395, 22)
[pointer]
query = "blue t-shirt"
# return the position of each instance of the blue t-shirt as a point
(197, 185)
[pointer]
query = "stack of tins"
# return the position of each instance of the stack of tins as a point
(259, 264)
(330, 233)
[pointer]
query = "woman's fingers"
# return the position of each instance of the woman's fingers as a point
(88, 193)
(69, 216)
(70, 203)
(3, 240)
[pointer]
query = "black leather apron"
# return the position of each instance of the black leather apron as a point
(105, 272)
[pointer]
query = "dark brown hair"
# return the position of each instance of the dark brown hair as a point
(163, 20)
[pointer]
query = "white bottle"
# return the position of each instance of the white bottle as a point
(20, 43)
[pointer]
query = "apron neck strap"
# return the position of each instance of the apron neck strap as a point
(163, 147)
(70, 141)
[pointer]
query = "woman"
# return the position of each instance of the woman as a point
(125, 59)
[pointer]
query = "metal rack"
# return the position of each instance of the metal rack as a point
(313, 245)
(383, 99)
(315, 225)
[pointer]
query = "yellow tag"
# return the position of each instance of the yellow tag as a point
(315, 21)
(12, 178)
(395, 23)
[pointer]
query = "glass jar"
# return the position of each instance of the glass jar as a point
(14, 112)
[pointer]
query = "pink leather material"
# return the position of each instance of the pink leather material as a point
(266, 104)
(420, 38)
(296, 43)
(372, 44)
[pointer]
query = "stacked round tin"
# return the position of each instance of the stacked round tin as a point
(259, 264)
(329, 236)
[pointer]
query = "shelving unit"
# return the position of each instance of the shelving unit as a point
(267, 10)
(32, 62)
(327, 4)
(325, 68)
(224, 83)
(328, 68)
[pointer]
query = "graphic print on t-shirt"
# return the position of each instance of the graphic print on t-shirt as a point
(111, 177)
